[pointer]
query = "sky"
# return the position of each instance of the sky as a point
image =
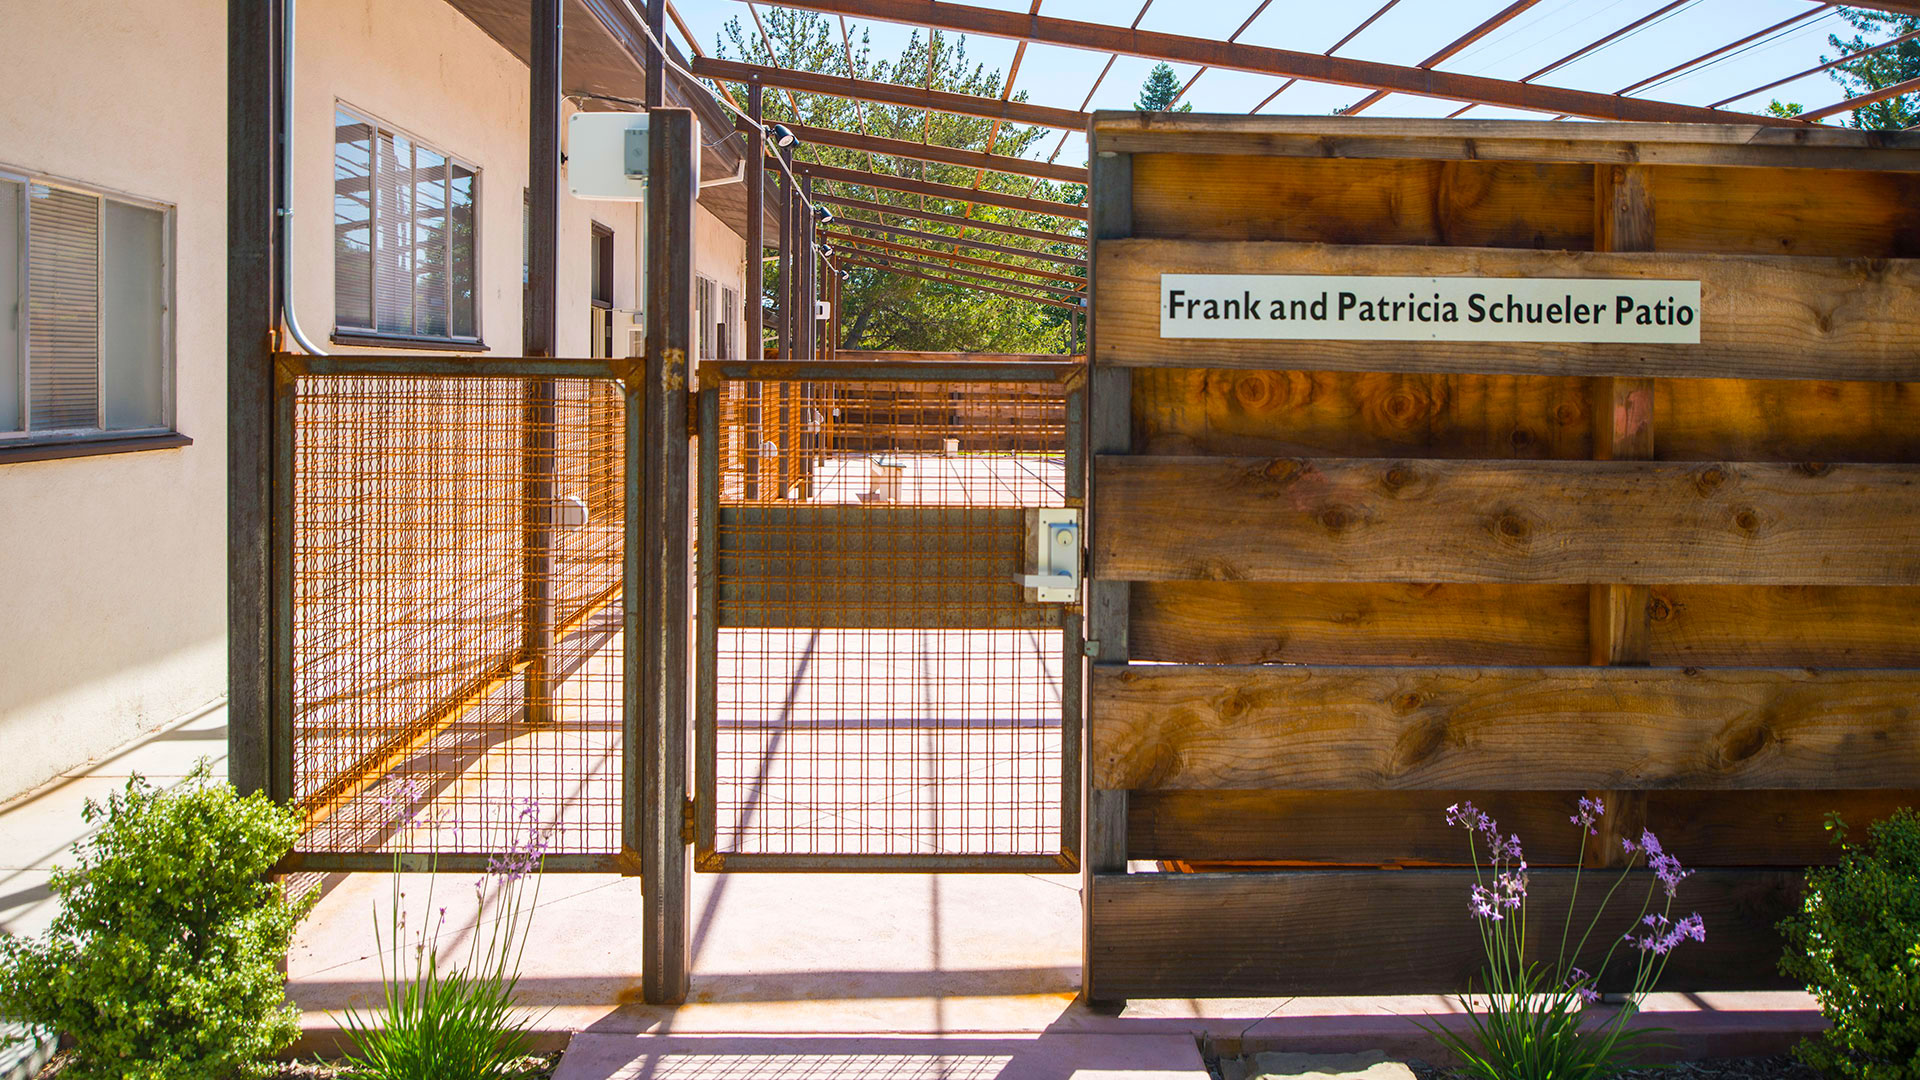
(1414, 29)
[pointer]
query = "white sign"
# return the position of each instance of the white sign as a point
(1303, 306)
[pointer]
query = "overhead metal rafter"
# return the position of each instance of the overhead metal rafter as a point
(887, 268)
(910, 249)
(950, 192)
(994, 279)
(946, 155)
(1097, 80)
(954, 219)
(912, 97)
(1453, 48)
(1233, 37)
(1330, 50)
(1598, 43)
(957, 241)
(1006, 94)
(1727, 48)
(1868, 98)
(1263, 60)
(1868, 51)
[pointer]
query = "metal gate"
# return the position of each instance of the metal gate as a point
(874, 688)
(453, 551)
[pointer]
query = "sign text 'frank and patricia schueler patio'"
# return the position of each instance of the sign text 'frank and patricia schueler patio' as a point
(1364, 308)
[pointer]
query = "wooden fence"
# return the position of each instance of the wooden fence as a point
(1336, 586)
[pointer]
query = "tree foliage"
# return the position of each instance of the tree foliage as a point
(1888, 67)
(1157, 94)
(884, 310)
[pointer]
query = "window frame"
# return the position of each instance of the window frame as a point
(373, 336)
(23, 442)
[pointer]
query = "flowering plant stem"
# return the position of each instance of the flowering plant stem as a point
(1530, 1019)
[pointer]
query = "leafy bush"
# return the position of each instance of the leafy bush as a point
(1856, 944)
(1530, 1021)
(163, 962)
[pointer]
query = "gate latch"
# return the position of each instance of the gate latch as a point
(1053, 555)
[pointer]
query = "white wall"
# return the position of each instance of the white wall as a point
(113, 568)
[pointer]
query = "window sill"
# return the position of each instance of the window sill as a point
(367, 339)
(51, 450)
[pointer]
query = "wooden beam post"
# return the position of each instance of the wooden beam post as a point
(662, 622)
(253, 65)
(1619, 630)
(1109, 431)
(539, 338)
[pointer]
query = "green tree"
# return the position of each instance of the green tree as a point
(1888, 67)
(884, 310)
(1157, 94)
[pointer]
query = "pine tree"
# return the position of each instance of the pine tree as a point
(1158, 92)
(1889, 67)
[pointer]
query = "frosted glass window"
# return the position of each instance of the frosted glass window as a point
(133, 341)
(404, 235)
(12, 310)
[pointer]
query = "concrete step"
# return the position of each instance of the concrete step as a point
(1043, 1056)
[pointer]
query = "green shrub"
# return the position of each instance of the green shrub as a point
(1856, 944)
(163, 962)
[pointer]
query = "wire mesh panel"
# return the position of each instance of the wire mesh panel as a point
(450, 537)
(883, 692)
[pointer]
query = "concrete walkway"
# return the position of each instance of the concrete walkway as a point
(815, 976)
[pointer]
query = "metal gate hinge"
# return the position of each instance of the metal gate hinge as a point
(688, 816)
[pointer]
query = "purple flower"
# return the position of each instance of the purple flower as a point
(1465, 814)
(404, 801)
(1485, 904)
(1590, 811)
(1581, 984)
(1669, 871)
(1693, 926)
(1662, 935)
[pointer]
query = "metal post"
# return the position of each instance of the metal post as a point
(809, 290)
(656, 75)
(664, 618)
(756, 173)
(783, 313)
(539, 337)
(253, 109)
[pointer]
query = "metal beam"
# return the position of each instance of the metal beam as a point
(1496, 21)
(908, 249)
(950, 192)
(539, 337)
(947, 155)
(964, 284)
(993, 279)
(955, 219)
(938, 238)
(1868, 98)
(913, 97)
(756, 226)
(1262, 60)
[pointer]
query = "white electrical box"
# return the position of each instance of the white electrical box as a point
(1053, 555)
(607, 155)
(822, 309)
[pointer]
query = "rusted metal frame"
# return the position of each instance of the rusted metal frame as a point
(1868, 51)
(911, 249)
(662, 625)
(783, 259)
(1097, 80)
(281, 590)
(912, 97)
(1045, 290)
(1330, 50)
(693, 43)
(1868, 98)
(540, 335)
(1496, 21)
(986, 371)
(950, 192)
(773, 58)
(1072, 636)
(706, 653)
(965, 223)
(891, 269)
(1727, 48)
(956, 242)
(257, 736)
(458, 862)
(449, 366)
(1238, 56)
(809, 276)
(1595, 44)
(798, 863)
(945, 155)
(1233, 37)
(1006, 94)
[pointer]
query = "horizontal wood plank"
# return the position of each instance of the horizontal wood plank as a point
(1786, 420)
(1245, 622)
(1334, 201)
(1776, 211)
(1810, 625)
(1762, 317)
(1167, 727)
(1560, 522)
(1408, 828)
(1396, 931)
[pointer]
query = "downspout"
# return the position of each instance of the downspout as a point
(285, 211)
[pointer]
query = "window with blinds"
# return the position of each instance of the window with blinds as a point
(85, 307)
(404, 228)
